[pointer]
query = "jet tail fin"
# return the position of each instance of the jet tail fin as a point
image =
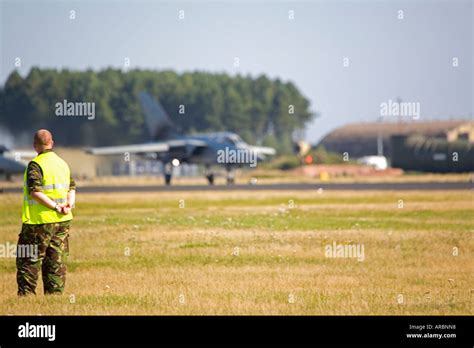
(157, 121)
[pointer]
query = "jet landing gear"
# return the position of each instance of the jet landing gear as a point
(210, 178)
(209, 175)
(230, 176)
(168, 170)
(168, 173)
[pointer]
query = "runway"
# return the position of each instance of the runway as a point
(411, 186)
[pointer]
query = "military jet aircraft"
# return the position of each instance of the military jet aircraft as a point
(8, 165)
(222, 148)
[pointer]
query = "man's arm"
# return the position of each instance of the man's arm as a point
(34, 177)
(71, 197)
(41, 198)
(71, 200)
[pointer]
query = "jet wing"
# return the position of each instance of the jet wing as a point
(10, 166)
(147, 147)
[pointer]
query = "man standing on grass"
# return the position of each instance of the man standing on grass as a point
(49, 194)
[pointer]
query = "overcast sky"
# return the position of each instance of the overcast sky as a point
(394, 49)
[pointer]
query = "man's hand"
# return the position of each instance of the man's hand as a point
(63, 209)
(48, 202)
(59, 208)
(66, 208)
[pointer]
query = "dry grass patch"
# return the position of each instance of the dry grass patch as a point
(251, 253)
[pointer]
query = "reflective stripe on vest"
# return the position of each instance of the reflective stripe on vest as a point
(55, 185)
(57, 200)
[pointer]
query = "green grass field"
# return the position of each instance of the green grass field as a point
(257, 253)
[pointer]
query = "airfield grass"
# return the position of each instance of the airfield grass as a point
(257, 253)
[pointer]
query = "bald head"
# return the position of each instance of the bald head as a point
(43, 140)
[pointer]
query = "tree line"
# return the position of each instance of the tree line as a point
(263, 111)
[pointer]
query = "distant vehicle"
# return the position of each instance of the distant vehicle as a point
(8, 165)
(431, 154)
(378, 162)
(222, 148)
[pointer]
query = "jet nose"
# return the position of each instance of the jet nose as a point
(11, 166)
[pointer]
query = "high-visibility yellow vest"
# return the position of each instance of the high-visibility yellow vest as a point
(55, 185)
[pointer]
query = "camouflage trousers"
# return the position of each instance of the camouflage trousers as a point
(42, 247)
